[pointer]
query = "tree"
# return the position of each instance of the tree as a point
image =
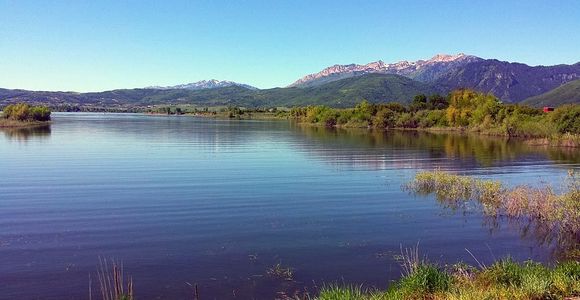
(421, 98)
(385, 118)
(438, 102)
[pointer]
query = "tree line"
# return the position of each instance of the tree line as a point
(464, 108)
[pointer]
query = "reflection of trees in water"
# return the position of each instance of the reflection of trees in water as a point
(25, 133)
(483, 150)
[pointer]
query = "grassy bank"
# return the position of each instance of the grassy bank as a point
(504, 279)
(555, 216)
(421, 279)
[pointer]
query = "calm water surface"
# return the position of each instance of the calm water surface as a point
(216, 203)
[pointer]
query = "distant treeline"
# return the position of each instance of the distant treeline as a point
(113, 109)
(464, 108)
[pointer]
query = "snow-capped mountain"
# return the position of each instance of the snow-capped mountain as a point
(422, 70)
(203, 84)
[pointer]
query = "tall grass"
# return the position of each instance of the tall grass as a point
(112, 281)
(505, 279)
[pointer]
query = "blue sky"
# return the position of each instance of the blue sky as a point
(101, 45)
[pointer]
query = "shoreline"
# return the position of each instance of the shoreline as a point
(562, 141)
(11, 124)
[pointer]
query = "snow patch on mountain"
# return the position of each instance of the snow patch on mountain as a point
(203, 84)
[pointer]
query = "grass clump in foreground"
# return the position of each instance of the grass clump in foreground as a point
(112, 282)
(505, 279)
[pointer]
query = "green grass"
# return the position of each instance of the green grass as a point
(505, 279)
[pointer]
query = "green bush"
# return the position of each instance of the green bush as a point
(25, 112)
(407, 120)
(567, 118)
(385, 118)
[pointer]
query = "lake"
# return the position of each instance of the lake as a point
(182, 200)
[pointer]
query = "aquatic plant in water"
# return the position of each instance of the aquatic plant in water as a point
(540, 210)
(280, 272)
(112, 281)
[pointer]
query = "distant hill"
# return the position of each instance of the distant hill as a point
(566, 94)
(342, 93)
(512, 82)
(350, 91)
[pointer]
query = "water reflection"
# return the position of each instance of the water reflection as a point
(218, 202)
(562, 244)
(26, 133)
(473, 150)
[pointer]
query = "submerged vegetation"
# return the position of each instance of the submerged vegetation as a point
(552, 217)
(464, 109)
(22, 114)
(280, 272)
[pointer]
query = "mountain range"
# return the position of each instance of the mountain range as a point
(511, 82)
(346, 85)
(203, 84)
(421, 70)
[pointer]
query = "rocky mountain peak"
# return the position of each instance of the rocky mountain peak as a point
(203, 84)
(420, 69)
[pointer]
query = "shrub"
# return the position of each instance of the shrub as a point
(385, 118)
(567, 118)
(25, 112)
(407, 120)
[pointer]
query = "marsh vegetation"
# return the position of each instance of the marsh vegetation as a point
(539, 211)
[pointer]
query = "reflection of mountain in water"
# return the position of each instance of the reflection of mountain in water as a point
(24, 134)
(414, 149)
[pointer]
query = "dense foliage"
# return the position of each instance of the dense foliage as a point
(465, 108)
(26, 113)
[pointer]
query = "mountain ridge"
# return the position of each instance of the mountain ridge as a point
(343, 93)
(509, 81)
(411, 69)
(203, 84)
(568, 93)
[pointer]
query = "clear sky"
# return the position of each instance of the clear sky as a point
(97, 45)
